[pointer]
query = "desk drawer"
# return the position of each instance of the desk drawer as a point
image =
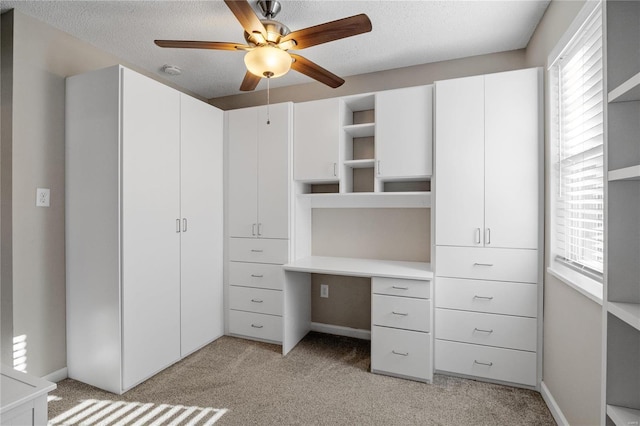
(484, 361)
(256, 300)
(401, 352)
(259, 326)
(401, 312)
(487, 296)
(399, 287)
(259, 250)
(487, 329)
(261, 275)
(488, 264)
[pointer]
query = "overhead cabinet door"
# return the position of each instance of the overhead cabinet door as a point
(150, 241)
(460, 161)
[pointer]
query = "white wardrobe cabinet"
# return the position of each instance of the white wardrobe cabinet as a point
(316, 138)
(259, 173)
(144, 271)
(403, 133)
(487, 128)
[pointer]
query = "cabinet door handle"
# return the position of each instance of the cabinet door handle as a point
(259, 229)
(487, 236)
(256, 276)
(253, 229)
(335, 169)
(483, 264)
(177, 225)
(256, 300)
(488, 364)
(184, 225)
(256, 251)
(483, 297)
(402, 314)
(478, 235)
(397, 287)
(256, 326)
(400, 353)
(378, 167)
(479, 330)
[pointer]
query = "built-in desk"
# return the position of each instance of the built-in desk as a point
(401, 312)
(23, 398)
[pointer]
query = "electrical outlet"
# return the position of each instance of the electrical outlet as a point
(324, 290)
(42, 197)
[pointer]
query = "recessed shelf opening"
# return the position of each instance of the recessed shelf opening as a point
(410, 186)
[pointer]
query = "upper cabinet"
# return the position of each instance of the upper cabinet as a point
(259, 171)
(404, 136)
(316, 137)
(488, 132)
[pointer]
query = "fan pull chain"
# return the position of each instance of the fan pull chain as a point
(268, 120)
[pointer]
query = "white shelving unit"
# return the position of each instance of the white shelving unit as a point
(622, 283)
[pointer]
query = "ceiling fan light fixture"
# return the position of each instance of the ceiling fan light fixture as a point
(268, 61)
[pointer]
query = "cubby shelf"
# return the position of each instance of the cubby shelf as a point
(627, 312)
(370, 200)
(360, 130)
(627, 91)
(360, 164)
(627, 173)
(622, 416)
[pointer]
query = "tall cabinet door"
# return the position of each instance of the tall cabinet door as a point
(202, 227)
(273, 171)
(150, 244)
(511, 152)
(243, 172)
(404, 132)
(460, 161)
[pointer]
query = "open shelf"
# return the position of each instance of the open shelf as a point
(627, 312)
(627, 91)
(360, 164)
(627, 173)
(370, 200)
(360, 130)
(622, 416)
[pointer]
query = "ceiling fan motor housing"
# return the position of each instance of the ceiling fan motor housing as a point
(275, 31)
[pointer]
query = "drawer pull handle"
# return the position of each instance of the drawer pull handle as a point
(400, 353)
(256, 251)
(483, 264)
(257, 276)
(402, 314)
(488, 364)
(483, 297)
(256, 300)
(482, 331)
(256, 326)
(397, 287)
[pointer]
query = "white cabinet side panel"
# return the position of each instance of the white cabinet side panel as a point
(91, 228)
(150, 243)
(459, 157)
(242, 137)
(202, 227)
(511, 158)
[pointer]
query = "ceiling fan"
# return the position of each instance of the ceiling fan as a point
(268, 42)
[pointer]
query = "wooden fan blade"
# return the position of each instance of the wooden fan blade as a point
(246, 16)
(329, 31)
(215, 45)
(315, 71)
(250, 82)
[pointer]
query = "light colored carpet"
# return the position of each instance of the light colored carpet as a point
(323, 381)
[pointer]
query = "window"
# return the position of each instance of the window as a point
(578, 121)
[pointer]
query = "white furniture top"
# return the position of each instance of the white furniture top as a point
(19, 388)
(362, 267)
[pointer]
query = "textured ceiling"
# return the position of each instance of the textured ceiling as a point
(404, 33)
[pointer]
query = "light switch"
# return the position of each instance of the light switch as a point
(42, 197)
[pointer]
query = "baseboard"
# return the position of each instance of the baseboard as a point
(556, 412)
(57, 376)
(341, 331)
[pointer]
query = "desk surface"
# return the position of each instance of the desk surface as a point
(19, 388)
(362, 267)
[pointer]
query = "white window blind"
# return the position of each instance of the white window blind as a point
(580, 199)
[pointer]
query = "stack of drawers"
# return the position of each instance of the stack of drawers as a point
(401, 328)
(256, 281)
(486, 313)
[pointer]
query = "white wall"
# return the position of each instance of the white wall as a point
(572, 360)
